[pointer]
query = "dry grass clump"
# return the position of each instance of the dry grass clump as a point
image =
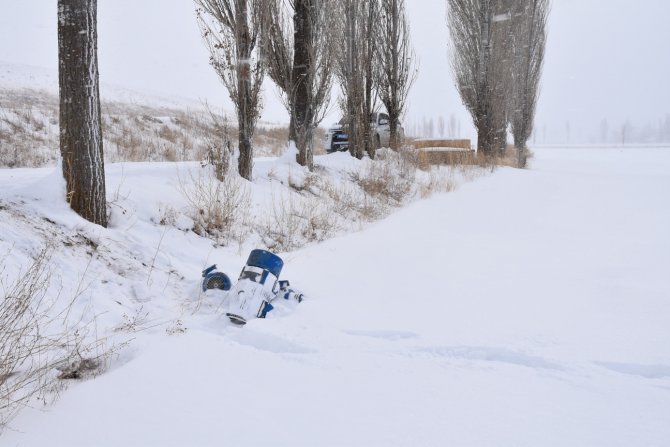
(219, 209)
(273, 139)
(219, 145)
(509, 157)
(441, 179)
(390, 177)
(138, 134)
(295, 221)
(27, 128)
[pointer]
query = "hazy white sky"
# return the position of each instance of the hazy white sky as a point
(605, 59)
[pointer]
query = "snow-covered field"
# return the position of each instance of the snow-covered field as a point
(526, 308)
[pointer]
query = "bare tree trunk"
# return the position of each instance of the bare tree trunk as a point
(394, 138)
(80, 123)
(292, 134)
(483, 81)
(245, 161)
(395, 70)
(369, 58)
(230, 29)
(354, 71)
(297, 44)
(480, 60)
(243, 43)
(529, 41)
(302, 67)
(354, 79)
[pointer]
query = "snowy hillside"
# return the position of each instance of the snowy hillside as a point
(525, 308)
(137, 126)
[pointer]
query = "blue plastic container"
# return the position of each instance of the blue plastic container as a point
(266, 260)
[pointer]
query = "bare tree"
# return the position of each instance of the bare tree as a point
(354, 70)
(604, 131)
(441, 126)
(529, 39)
(230, 29)
(395, 69)
(301, 65)
(371, 10)
(625, 131)
(80, 123)
(452, 126)
(503, 70)
(478, 54)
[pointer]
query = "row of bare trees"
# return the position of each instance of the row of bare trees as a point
(302, 45)
(497, 55)
(375, 63)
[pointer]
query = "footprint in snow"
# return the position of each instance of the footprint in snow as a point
(489, 354)
(386, 335)
(646, 371)
(269, 343)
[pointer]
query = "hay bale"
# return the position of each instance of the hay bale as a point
(434, 143)
(443, 151)
(446, 156)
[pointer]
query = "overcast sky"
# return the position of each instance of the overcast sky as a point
(606, 59)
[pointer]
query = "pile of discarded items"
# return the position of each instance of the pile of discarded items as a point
(257, 287)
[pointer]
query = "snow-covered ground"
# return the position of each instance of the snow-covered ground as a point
(526, 308)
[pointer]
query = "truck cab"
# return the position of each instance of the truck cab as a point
(338, 140)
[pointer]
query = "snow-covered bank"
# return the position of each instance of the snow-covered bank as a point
(526, 308)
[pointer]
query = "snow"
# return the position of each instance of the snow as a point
(528, 307)
(19, 77)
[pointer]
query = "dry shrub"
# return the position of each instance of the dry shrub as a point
(295, 222)
(423, 160)
(167, 215)
(308, 183)
(320, 223)
(134, 322)
(38, 345)
(219, 209)
(26, 137)
(490, 162)
(388, 178)
(509, 157)
(347, 202)
(441, 179)
(167, 133)
(219, 150)
(272, 139)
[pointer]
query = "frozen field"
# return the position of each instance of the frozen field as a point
(526, 308)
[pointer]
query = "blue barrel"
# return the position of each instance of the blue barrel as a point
(265, 260)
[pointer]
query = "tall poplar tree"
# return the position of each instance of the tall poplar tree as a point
(80, 123)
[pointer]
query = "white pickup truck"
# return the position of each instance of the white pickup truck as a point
(338, 140)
